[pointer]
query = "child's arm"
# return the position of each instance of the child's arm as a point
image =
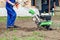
(10, 2)
(14, 4)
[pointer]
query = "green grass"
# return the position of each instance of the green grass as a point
(3, 19)
(28, 38)
(35, 36)
(25, 38)
(23, 18)
(4, 38)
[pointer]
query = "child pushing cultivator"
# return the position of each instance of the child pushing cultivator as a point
(42, 20)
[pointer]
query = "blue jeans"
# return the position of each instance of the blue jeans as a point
(11, 16)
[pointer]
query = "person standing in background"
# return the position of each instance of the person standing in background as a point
(59, 2)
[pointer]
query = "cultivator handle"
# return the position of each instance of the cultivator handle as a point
(31, 11)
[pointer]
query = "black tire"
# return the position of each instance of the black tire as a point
(48, 27)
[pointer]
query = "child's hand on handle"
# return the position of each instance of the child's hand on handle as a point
(17, 5)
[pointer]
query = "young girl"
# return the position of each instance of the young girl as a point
(11, 14)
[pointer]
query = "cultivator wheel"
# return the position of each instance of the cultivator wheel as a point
(44, 27)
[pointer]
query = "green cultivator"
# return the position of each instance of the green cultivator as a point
(46, 11)
(43, 20)
(45, 23)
